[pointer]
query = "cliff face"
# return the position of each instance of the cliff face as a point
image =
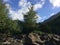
(32, 39)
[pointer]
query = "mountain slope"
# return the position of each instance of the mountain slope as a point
(52, 24)
(52, 18)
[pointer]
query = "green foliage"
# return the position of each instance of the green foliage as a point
(45, 28)
(38, 32)
(3, 15)
(13, 26)
(6, 24)
(30, 21)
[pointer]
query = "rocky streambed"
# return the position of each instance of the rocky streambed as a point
(31, 39)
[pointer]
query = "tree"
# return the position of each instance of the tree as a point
(29, 21)
(13, 27)
(6, 24)
(3, 15)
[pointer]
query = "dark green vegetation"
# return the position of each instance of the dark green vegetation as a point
(12, 27)
(6, 24)
(51, 25)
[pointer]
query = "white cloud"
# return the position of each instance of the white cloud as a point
(51, 14)
(36, 6)
(41, 19)
(16, 15)
(39, 4)
(7, 5)
(24, 9)
(38, 18)
(5, 0)
(55, 3)
(24, 3)
(19, 13)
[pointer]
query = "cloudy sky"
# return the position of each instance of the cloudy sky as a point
(44, 8)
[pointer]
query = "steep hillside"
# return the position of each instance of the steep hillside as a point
(53, 23)
(52, 18)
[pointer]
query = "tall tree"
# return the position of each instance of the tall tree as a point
(30, 21)
(6, 24)
(3, 15)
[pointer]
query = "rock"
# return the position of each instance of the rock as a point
(44, 39)
(6, 43)
(56, 38)
(36, 39)
(27, 41)
(32, 39)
